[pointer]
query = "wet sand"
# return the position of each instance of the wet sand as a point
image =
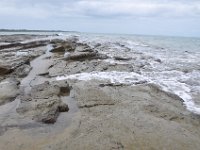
(103, 114)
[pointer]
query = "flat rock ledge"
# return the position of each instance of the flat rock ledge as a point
(43, 104)
(9, 90)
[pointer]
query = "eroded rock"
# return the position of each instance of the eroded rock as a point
(122, 58)
(26, 45)
(43, 104)
(23, 70)
(83, 48)
(9, 90)
(58, 49)
(80, 55)
(5, 70)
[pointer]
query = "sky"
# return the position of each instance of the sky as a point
(151, 17)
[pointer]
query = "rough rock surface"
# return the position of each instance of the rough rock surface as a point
(25, 45)
(23, 71)
(121, 58)
(83, 48)
(126, 117)
(58, 49)
(102, 114)
(19, 37)
(80, 55)
(68, 44)
(9, 89)
(43, 104)
(5, 70)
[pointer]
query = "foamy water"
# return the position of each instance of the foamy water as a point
(113, 77)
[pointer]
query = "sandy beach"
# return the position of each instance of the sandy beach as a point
(63, 93)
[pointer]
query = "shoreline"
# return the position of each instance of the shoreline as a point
(74, 97)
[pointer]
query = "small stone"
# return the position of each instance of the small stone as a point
(63, 107)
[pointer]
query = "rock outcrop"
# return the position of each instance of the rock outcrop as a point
(58, 49)
(22, 71)
(9, 89)
(44, 103)
(26, 45)
(5, 70)
(80, 55)
(122, 58)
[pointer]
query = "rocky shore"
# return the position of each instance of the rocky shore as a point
(61, 93)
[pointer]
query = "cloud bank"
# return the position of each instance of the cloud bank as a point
(100, 8)
(174, 17)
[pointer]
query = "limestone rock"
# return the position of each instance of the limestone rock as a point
(43, 104)
(58, 49)
(80, 55)
(8, 90)
(122, 58)
(23, 70)
(5, 70)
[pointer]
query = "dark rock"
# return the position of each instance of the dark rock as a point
(186, 70)
(49, 119)
(97, 45)
(57, 41)
(63, 107)
(5, 70)
(64, 91)
(105, 68)
(27, 45)
(121, 58)
(140, 82)
(44, 74)
(80, 55)
(83, 49)
(69, 46)
(158, 60)
(111, 84)
(10, 45)
(58, 49)
(64, 87)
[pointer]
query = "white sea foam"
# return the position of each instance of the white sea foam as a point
(4, 82)
(21, 53)
(4, 43)
(113, 77)
(112, 61)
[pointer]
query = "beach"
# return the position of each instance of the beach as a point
(80, 91)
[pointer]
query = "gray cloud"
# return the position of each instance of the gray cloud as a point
(172, 17)
(103, 8)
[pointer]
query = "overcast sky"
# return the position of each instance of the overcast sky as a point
(157, 17)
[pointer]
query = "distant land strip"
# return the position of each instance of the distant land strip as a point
(26, 30)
